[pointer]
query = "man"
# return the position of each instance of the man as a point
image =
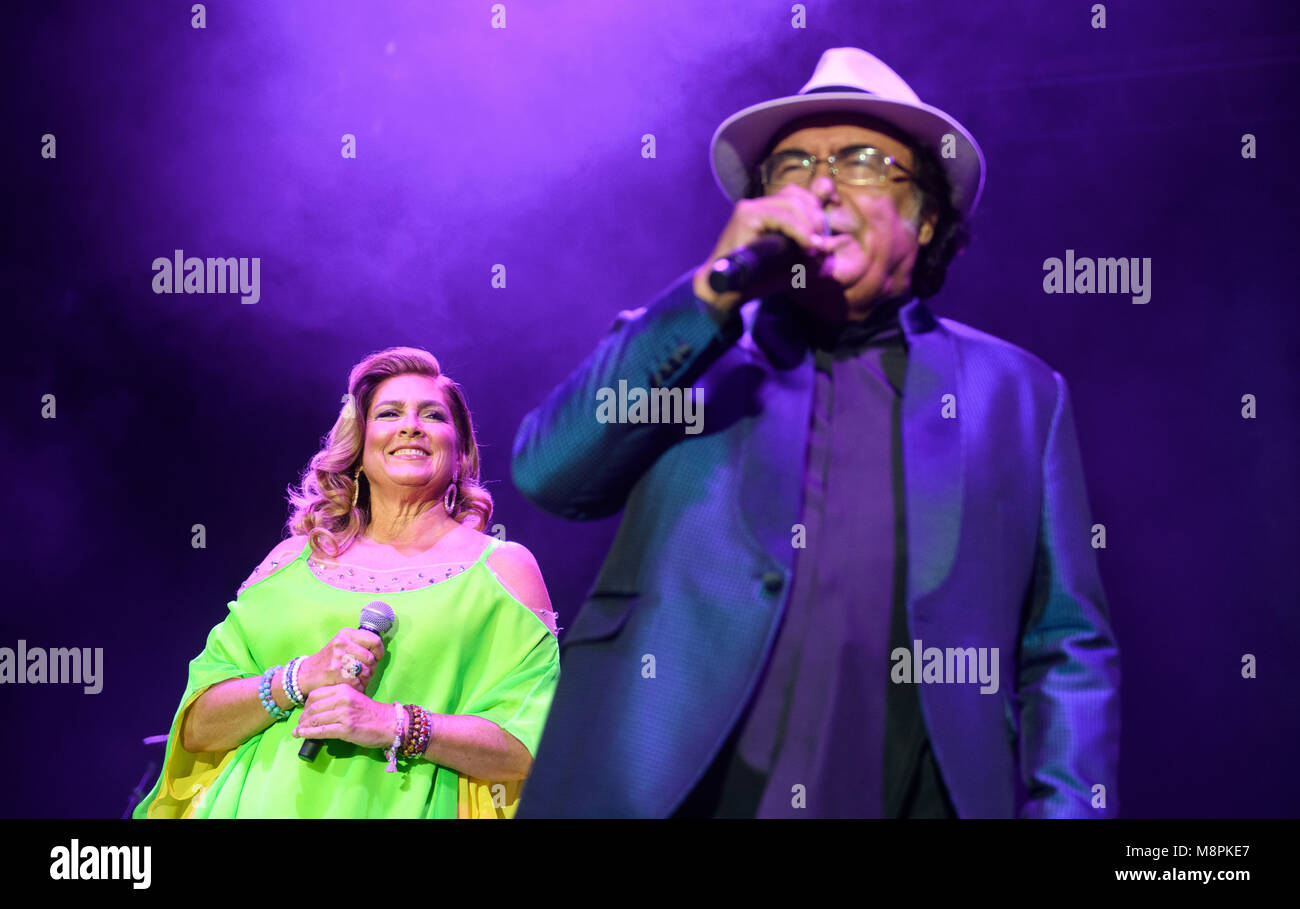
(864, 586)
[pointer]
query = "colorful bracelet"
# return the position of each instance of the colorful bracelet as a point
(400, 715)
(405, 750)
(290, 682)
(428, 731)
(421, 726)
(264, 692)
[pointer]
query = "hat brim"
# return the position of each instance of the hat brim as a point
(743, 137)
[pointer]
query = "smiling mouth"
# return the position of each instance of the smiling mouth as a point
(409, 454)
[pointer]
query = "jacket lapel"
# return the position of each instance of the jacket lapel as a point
(774, 452)
(933, 456)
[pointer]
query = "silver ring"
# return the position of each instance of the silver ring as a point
(356, 668)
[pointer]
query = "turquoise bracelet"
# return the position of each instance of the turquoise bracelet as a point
(264, 692)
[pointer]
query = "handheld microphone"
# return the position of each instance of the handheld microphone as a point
(741, 268)
(376, 616)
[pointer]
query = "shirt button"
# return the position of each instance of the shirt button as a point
(772, 581)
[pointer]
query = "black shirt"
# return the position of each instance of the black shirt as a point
(825, 733)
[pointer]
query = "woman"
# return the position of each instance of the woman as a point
(441, 719)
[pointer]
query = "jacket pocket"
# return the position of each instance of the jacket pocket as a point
(601, 617)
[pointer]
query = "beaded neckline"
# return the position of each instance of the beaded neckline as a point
(374, 580)
(388, 580)
(391, 580)
(394, 580)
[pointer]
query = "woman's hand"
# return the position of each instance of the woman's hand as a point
(341, 712)
(333, 664)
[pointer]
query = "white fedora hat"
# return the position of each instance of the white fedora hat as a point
(850, 80)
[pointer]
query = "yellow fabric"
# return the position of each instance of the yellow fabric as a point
(186, 776)
(477, 801)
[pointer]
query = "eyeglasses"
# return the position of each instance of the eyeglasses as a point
(857, 165)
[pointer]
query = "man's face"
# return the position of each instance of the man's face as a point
(875, 230)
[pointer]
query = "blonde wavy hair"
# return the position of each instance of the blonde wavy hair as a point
(322, 506)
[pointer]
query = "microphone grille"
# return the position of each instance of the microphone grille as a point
(377, 616)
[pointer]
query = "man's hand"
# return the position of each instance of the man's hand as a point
(794, 211)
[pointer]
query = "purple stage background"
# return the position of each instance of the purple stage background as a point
(522, 146)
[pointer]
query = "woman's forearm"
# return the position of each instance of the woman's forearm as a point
(229, 713)
(477, 747)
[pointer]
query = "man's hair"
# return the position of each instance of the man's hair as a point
(951, 231)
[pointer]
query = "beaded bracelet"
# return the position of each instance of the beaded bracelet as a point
(287, 681)
(391, 753)
(290, 682)
(264, 692)
(412, 726)
(297, 689)
(421, 729)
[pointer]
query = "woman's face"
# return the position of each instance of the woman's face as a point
(410, 437)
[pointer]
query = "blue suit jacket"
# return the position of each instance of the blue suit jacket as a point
(999, 543)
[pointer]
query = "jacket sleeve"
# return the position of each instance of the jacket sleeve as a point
(1068, 662)
(570, 464)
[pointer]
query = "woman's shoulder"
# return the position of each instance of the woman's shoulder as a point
(517, 570)
(511, 556)
(281, 554)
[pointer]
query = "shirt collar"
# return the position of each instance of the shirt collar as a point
(786, 332)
